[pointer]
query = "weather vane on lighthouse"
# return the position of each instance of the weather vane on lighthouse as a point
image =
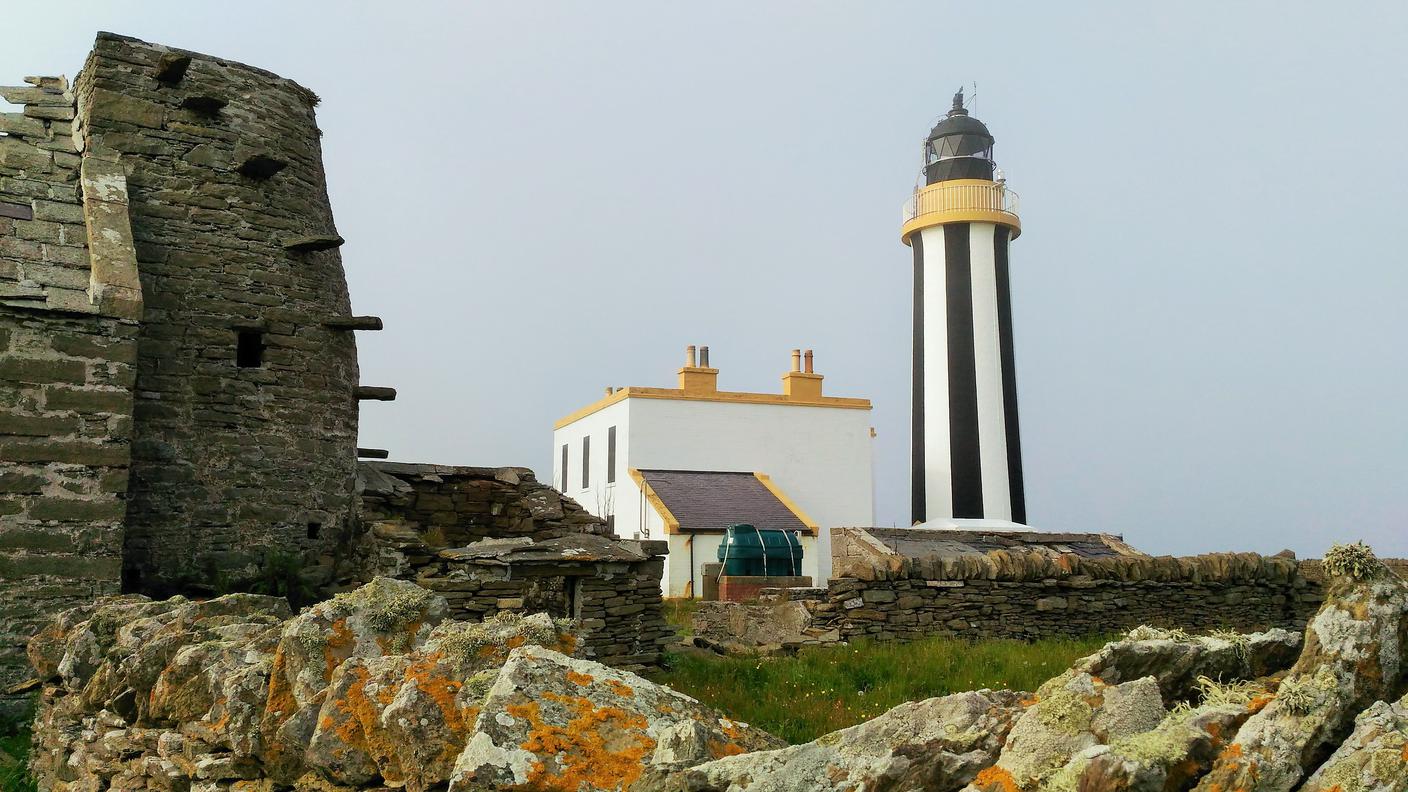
(967, 453)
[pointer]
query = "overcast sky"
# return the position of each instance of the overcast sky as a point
(542, 199)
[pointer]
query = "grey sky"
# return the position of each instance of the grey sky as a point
(542, 199)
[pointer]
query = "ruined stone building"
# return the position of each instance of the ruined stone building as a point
(179, 385)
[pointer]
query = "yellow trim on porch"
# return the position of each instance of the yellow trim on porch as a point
(791, 505)
(672, 525)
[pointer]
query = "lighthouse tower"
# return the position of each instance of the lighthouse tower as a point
(967, 463)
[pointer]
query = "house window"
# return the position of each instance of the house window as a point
(611, 455)
(564, 467)
(586, 462)
(249, 349)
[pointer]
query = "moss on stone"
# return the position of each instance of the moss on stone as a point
(1065, 712)
(1356, 561)
(387, 605)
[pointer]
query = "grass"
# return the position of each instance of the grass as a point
(14, 753)
(679, 612)
(822, 689)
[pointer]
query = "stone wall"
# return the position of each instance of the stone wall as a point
(68, 337)
(246, 401)
(1030, 595)
(492, 540)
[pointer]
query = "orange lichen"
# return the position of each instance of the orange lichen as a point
(598, 746)
(338, 647)
(579, 678)
(996, 779)
(1028, 702)
(718, 749)
(620, 688)
(1258, 703)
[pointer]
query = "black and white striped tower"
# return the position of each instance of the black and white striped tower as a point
(967, 461)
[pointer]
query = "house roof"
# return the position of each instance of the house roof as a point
(693, 501)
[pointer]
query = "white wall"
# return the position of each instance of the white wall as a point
(820, 457)
(620, 498)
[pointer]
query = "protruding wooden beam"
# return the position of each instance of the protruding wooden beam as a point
(313, 242)
(369, 393)
(354, 323)
(373, 453)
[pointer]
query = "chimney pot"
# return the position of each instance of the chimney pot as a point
(704, 357)
(808, 357)
(796, 360)
(689, 356)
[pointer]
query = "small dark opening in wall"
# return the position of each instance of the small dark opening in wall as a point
(249, 352)
(314, 530)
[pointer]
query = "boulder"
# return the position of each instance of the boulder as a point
(1177, 660)
(1375, 757)
(1172, 755)
(1071, 713)
(1353, 656)
(938, 744)
(406, 718)
(383, 617)
(553, 722)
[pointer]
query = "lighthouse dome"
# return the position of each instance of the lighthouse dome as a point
(958, 147)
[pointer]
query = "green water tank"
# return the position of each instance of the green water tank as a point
(750, 551)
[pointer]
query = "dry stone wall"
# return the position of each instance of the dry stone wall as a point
(68, 338)
(1030, 595)
(246, 405)
(495, 540)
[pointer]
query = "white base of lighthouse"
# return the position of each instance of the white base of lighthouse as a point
(985, 526)
(967, 460)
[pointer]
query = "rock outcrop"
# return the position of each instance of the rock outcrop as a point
(376, 690)
(372, 689)
(1374, 757)
(938, 743)
(1353, 657)
(552, 722)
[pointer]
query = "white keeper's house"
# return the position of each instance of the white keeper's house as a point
(682, 464)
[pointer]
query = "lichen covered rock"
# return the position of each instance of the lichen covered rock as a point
(938, 744)
(406, 718)
(551, 722)
(1071, 713)
(1353, 656)
(1172, 755)
(1373, 759)
(1178, 660)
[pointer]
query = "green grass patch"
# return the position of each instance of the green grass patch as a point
(679, 612)
(14, 757)
(822, 689)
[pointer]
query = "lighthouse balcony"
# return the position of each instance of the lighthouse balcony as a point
(960, 201)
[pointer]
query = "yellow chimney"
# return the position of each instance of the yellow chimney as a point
(801, 385)
(696, 377)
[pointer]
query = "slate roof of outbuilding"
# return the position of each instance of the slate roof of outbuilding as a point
(712, 500)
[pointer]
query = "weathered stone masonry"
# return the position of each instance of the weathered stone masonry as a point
(231, 458)
(179, 386)
(69, 305)
(491, 540)
(1032, 595)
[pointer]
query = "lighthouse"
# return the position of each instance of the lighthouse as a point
(967, 451)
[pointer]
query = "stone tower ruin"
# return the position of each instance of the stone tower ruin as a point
(245, 409)
(178, 376)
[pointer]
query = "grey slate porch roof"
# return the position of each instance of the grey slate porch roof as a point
(712, 500)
